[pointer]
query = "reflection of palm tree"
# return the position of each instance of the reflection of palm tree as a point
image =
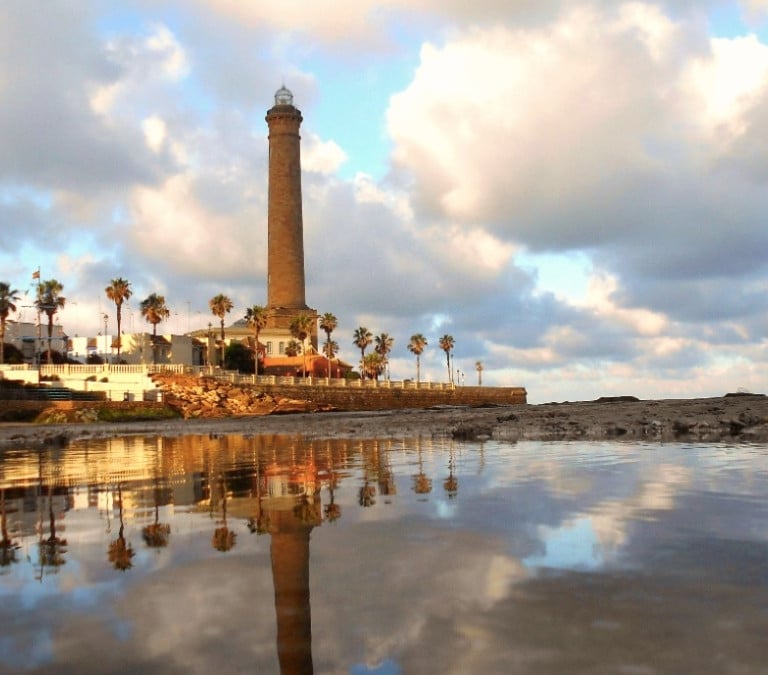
(451, 484)
(53, 548)
(223, 538)
(367, 495)
(8, 547)
(422, 484)
(120, 552)
(332, 509)
(156, 535)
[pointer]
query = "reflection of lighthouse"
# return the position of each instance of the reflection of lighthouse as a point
(290, 573)
(289, 512)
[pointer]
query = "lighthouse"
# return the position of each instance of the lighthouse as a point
(285, 237)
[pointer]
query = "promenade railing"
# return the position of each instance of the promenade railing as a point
(74, 372)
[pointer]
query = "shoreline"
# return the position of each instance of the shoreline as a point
(740, 418)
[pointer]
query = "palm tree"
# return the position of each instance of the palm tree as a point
(293, 348)
(330, 349)
(256, 318)
(153, 309)
(373, 365)
(220, 306)
(446, 344)
(118, 291)
(416, 345)
(50, 301)
(479, 368)
(301, 328)
(383, 345)
(8, 299)
(362, 338)
(328, 323)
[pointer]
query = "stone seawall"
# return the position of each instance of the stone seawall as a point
(382, 398)
(9, 408)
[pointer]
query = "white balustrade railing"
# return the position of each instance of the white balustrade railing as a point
(66, 371)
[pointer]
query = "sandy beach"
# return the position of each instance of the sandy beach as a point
(734, 418)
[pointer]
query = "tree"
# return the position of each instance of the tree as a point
(49, 302)
(256, 318)
(220, 306)
(383, 345)
(373, 365)
(479, 368)
(416, 345)
(293, 348)
(238, 357)
(153, 309)
(362, 338)
(446, 344)
(330, 349)
(301, 328)
(118, 291)
(328, 323)
(8, 299)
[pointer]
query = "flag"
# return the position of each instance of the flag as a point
(36, 274)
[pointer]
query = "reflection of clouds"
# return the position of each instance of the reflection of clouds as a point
(588, 540)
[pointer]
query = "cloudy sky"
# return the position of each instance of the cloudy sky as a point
(576, 191)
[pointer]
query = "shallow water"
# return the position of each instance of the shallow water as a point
(276, 555)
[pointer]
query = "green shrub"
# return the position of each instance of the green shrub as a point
(18, 415)
(137, 414)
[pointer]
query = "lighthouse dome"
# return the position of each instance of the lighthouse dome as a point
(283, 96)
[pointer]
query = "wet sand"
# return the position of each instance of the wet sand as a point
(735, 418)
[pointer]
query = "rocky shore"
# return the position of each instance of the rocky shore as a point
(733, 418)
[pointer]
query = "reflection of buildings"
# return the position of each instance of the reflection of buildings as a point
(273, 485)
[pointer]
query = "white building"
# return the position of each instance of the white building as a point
(140, 349)
(31, 339)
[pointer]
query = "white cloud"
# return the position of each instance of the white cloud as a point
(321, 156)
(154, 132)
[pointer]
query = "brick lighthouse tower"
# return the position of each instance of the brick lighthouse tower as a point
(285, 238)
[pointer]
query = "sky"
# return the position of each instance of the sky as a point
(575, 191)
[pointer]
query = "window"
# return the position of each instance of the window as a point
(282, 347)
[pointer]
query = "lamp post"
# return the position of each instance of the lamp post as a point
(106, 349)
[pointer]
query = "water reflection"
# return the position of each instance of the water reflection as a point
(184, 553)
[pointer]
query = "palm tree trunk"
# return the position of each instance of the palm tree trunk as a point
(222, 343)
(50, 338)
(119, 332)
